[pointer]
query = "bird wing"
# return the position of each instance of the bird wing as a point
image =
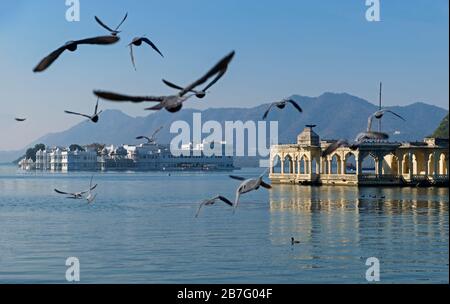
(20, 119)
(265, 185)
(101, 40)
(132, 57)
(225, 200)
(200, 207)
(47, 61)
(268, 110)
(172, 85)
(220, 75)
(150, 43)
(96, 106)
(143, 137)
(237, 177)
(220, 66)
(104, 25)
(157, 131)
(295, 105)
(120, 97)
(369, 122)
(123, 20)
(333, 147)
(155, 108)
(393, 113)
(236, 200)
(65, 193)
(79, 114)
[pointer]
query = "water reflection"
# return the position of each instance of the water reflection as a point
(346, 225)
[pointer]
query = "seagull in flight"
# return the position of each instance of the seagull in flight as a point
(248, 185)
(364, 136)
(281, 105)
(114, 32)
(202, 93)
(94, 118)
(20, 119)
(77, 195)
(72, 47)
(151, 139)
(378, 115)
(172, 103)
(212, 201)
(137, 41)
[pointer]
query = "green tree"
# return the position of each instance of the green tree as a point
(75, 147)
(442, 130)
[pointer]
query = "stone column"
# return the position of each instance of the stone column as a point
(282, 166)
(379, 165)
(299, 162)
(358, 166)
(330, 169)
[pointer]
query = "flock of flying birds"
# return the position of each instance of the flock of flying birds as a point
(174, 103)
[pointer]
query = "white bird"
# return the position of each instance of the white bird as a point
(91, 197)
(94, 118)
(76, 195)
(151, 139)
(378, 115)
(248, 185)
(212, 201)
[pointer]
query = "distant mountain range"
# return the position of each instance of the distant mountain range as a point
(336, 116)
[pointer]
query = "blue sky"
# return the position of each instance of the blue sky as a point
(285, 47)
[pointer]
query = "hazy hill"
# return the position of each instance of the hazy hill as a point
(336, 116)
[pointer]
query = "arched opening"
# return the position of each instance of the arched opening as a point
(276, 165)
(315, 166)
(443, 167)
(390, 164)
(350, 163)
(304, 165)
(336, 164)
(421, 161)
(406, 164)
(431, 164)
(368, 164)
(288, 165)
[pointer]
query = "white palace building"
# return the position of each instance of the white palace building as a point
(409, 164)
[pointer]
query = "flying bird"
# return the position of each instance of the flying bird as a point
(248, 185)
(212, 201)
(76, 195)
(72, 47)
(281, 105)
(202, 93)
(137, 41)
(114, 32)
(20, 119)
(378, 115)
(358, 141)
(152, 138)
(94, 118)
(172, 103)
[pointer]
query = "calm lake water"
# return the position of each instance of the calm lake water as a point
(141, 229)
